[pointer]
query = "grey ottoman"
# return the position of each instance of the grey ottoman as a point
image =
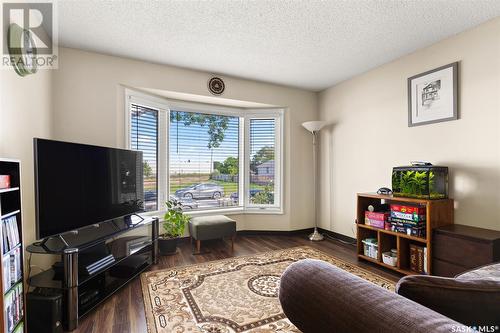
(211, 227)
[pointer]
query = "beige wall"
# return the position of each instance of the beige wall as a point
(25, 113)
(83, 101)
(88, 95)
(370, 135)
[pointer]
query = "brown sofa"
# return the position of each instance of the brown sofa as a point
(472, 298)
(319, 297)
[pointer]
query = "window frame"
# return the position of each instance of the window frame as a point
(129, 144)
(164, 106)
(278, 116)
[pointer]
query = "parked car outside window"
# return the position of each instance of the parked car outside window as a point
(201, 191)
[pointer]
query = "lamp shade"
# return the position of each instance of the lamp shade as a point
(314, 126)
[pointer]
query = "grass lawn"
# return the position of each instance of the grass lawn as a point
(177, 182)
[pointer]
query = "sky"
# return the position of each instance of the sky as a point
(189, 152)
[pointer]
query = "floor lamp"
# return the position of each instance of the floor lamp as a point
(314, 127)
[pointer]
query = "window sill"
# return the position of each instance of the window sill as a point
(226, 211)
(268, 211)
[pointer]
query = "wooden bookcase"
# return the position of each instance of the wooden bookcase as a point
(439, 213)
(10, 206)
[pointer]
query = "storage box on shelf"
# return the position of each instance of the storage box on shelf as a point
(390, 258)
(429, 214)
(370, 247)
(11, 247)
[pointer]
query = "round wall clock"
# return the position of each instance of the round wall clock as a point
(22, 50)
(216, 86)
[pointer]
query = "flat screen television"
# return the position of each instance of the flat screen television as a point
(79, 185)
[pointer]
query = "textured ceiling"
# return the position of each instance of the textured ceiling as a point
(306, 44)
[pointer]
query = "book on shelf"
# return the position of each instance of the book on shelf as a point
(11, 258)
(12, 270)
(6, 277)
(425, 260)
(418, 260)
(13, 307)
(5, 243)
(10, 233)
(420, 256)
(15, 264)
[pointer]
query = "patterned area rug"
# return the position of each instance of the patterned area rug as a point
(233, 295)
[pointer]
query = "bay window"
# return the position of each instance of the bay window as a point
(207, 157)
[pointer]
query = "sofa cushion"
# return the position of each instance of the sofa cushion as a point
(469, 301)
(489, 272)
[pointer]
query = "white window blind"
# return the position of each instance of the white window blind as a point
(263, 162)
(144, 137)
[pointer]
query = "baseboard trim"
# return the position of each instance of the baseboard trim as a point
(306, 231)
(274, 232)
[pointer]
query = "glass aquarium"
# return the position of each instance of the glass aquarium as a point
(422, 182)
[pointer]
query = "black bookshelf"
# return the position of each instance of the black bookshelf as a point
(11, 240)
(133, 245)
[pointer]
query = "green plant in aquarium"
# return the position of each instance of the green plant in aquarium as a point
(432, 182)
(420, 182)
(395, 182)
(406, 182)
(410, 183)
(434, 193)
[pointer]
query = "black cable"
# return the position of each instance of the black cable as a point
(340, 240)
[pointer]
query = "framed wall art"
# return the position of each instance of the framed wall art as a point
(433, 96)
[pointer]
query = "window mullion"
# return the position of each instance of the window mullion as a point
(163, 181)
(242, 163)
(246, 168)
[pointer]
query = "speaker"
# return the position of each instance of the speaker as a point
(44, 311)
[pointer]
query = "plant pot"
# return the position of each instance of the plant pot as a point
(168, 246)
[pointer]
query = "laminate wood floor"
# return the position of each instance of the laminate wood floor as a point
(124, 311)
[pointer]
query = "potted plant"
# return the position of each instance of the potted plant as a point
(174, 224)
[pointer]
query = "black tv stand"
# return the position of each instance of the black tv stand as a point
(96, 262)
(45, 240)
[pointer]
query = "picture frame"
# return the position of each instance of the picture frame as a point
(433, 96)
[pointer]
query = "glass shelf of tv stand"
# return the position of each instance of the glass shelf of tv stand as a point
(49, 279)
(118, 237)
(89, 236)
